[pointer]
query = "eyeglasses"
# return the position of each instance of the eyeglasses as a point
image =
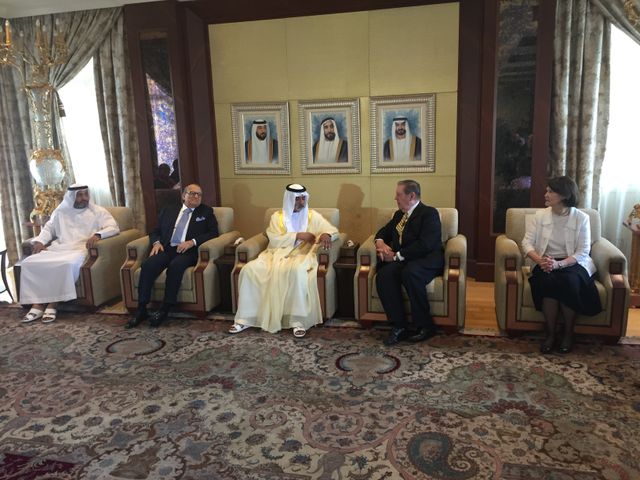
(194, 194)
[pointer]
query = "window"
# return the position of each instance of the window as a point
(81, 127)
(620, 179)
(621, 167)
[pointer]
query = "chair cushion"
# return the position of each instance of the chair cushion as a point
(123, 216)
(224, 216)
(435, 290)
(186, 284)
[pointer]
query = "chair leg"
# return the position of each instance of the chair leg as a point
(3, 272)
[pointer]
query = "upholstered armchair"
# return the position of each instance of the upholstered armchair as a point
(514, 304)
(98, 282)
(200, 288)
(252, 247)
(446, 293)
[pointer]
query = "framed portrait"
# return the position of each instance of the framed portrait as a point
(403, 134)
(261, 138)
(330, 136)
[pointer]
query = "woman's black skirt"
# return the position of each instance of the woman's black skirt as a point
(571, 286)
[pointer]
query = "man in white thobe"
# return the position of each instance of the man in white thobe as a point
(49, 275)
(279, 289)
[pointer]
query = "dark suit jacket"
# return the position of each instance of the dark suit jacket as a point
(202, 226)
(421, 237)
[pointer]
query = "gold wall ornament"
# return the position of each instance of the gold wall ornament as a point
(631, 12)
(46, 164)
(46, 200)
(633, 223)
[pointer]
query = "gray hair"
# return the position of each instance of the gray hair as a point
(410, 186)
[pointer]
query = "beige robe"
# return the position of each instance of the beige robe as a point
(279, 289)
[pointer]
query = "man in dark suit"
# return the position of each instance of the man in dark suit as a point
(410, 255)
(174, 246)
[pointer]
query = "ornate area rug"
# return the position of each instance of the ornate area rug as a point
(84, 398)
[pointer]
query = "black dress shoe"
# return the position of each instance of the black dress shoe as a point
(158, 318)
(395, 336)
(566, 345)
(423, 334)
(138, 319)
(547, 345)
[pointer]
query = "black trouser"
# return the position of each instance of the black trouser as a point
(175, 263)
(414, 276)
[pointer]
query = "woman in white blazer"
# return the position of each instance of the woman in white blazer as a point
(558, 241)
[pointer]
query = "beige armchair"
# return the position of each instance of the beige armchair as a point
(514, 305)
(98, 282)
(446, 293)
(200, 288)
(252, 247)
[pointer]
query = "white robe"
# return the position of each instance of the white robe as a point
(279, 289)
(51, 275)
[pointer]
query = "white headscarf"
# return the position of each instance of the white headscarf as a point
(328, 149)
(260, 148)
(401, 146)
(72, 226)
(70, 198)
(295, 221)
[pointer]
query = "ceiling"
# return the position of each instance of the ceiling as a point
(28, 8)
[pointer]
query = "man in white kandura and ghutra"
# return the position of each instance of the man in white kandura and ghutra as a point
(279, 289)
(49, 275)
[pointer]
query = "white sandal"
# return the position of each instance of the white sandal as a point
(49, 315)
(33, 315)
(299, 332)
(237, 328)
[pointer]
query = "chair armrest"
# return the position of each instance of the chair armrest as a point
(328, 257)
(112, 248)
(137, 251)
(27, 247)
(611, 264)
(367, 254)
(214, 248)
(507, 279)
(251, 248)
(608, 257)
(455, 254)
(506, 249)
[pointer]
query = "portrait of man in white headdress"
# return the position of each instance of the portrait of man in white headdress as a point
(330, 147)
(402, 145)
(261, 148)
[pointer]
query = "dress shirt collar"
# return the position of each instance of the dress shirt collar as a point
(410, 211)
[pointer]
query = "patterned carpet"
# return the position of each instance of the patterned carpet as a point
(84, 398)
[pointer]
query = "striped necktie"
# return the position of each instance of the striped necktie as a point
(401, 224)
(176, 238)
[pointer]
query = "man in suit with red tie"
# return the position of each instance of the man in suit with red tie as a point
(174, 245)
(410, 255)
